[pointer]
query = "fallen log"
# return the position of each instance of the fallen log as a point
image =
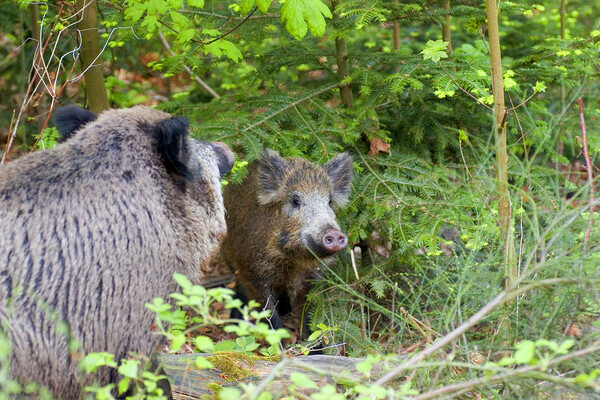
(231, 368)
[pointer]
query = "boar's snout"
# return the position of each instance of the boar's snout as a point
(334, 240)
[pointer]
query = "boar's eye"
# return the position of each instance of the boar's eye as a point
(330, 201)
(296, 202)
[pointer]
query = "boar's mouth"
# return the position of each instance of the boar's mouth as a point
(315, 248)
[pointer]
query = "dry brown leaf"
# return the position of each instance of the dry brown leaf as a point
(379, 146)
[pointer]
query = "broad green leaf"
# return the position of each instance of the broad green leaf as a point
(129, 368)
(230, 393)
(246, 6)
(204, 343)
(134, 12)
(196, 3)
(203, 363)
(150, 23)
(263, 5)
(211, 32)
(223, 47)
(177, 340)
(123, 385)
(525, 352)
(435, 50)
(92, 361)
(303, 381)
(181, 21)
(185, 36)
(300, 16)
(182, 281)
(315, 335)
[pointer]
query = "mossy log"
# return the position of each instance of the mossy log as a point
(231, 368)
(188, 382)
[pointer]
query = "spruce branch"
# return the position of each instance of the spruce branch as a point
(206, 87)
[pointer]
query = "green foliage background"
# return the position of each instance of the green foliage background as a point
(423, 215)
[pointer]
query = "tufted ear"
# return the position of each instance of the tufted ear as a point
(271, 170)
(70, 119)
(171, 144)
(339, 168)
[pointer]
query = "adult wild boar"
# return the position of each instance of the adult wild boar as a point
(280, 222)
(93, 229)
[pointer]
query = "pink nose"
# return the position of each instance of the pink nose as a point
(334, 240)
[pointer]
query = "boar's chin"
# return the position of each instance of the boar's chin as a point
(313, 248)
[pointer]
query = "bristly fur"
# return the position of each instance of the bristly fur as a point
(94, 229)
(276, 220)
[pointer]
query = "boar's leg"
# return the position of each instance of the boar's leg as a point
(241, 295)
(271, 304)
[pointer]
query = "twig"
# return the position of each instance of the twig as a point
(434, 394)
(588, 163)
(354, 266)
(463, 90)
(293, 104)
(234, 28)
(165, 44)
(506, 295)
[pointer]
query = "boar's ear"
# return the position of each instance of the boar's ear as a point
(69, 119)
(171, 144)
(339, 169)
(271, 170)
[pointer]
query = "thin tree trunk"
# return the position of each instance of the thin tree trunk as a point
(396, 32)
(341, 53)
(446, 35)
(563, 12)
(563, 95)
(504, 210)
(95, 90)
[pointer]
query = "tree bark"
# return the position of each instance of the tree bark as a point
(504, 209)
(95, 91)
(446, 35)
(396, 32)
(343, 71)
(563, 12)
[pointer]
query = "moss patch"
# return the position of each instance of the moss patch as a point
(234, 365)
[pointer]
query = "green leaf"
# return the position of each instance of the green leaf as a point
(182, 281)
(265, 396)
(230, 393)
(303, 380)
(263, 5)
(246, 6)
(300, 16)
(123, 385)
(92, 361)
(211, 32)
(196, 3)
(150, 23)
(129, 368)
(203, 363)
(525, 352)
(223, 47)
(180, 21)
(539, 87)
(314, 336)
(435, 50)
(134, 12)
(185, 36)
(177, 340)
(204, 343)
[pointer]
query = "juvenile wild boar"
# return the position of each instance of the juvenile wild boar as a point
(278, 220)
(93, 229)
